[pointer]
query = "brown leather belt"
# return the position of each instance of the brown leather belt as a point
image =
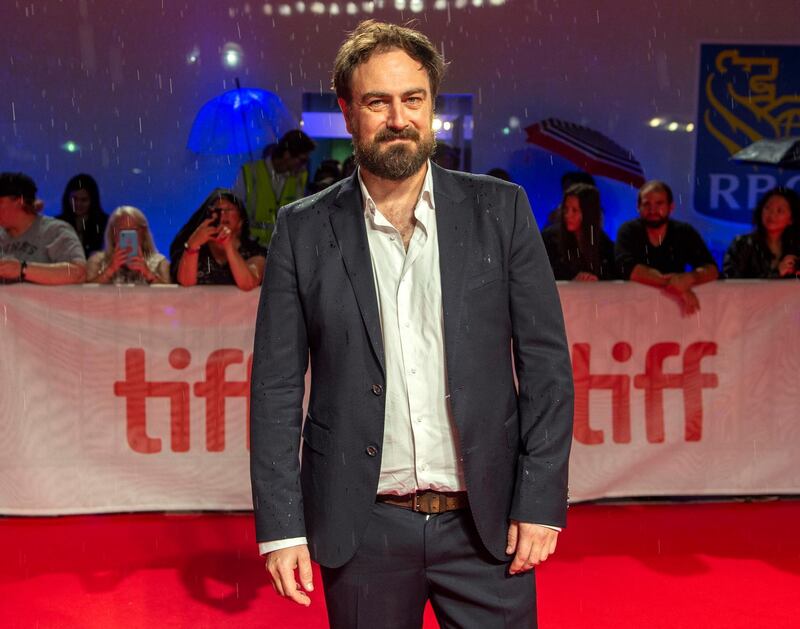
(428, 501)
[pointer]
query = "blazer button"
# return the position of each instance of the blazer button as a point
(372, 450)
(377, 389)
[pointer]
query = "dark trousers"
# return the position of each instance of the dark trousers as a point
(407, 558)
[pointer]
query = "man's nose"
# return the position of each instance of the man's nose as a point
(397, 117)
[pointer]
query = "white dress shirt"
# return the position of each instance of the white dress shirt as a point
(419, 442)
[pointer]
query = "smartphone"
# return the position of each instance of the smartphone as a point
(215, 215)
(129, 239)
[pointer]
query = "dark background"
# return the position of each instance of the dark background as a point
(113, 77)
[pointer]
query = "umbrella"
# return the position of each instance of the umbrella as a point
(235, 121)
(783, 153)
(588, 149)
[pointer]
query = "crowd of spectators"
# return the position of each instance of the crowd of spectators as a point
(225, 240)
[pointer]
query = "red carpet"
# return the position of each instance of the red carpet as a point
(678, 566)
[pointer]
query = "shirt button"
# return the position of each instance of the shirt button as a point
(377, 389)
(413, 371)
(372, 451)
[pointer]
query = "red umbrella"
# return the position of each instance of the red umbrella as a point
(588, 149)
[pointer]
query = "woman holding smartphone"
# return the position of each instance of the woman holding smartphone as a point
(215, 247)
(130, 256)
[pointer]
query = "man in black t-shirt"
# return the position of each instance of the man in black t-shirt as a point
(658, 251)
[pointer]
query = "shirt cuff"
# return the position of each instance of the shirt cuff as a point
(268, 547)
(555, 528)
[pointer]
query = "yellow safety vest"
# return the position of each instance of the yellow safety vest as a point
(262, 202)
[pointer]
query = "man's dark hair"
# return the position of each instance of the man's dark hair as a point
(295, 142)
(792, 198)
(654, 185)
(18, 185)
(571, 177)
(372, 37)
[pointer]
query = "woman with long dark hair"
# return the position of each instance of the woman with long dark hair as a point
(577, 246)
(81, 208)
(215, 247)
(772, 250)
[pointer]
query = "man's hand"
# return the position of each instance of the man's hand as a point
(689, 302)
(679, 283)
(530, 543)
(9, 268)
(788, 265)
(281, 565)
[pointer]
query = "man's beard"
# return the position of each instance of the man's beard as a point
(396, 162)
(655, 223)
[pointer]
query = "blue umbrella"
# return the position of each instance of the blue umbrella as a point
(235, 121)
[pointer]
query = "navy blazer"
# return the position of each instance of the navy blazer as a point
(318, 300)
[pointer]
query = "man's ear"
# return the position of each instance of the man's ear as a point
(344, 106)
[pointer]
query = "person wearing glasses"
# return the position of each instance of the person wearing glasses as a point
(215, 247)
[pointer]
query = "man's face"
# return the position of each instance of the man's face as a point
(9, 206)
(655, 209)
(390, 114)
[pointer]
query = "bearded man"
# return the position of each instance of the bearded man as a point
(658, 251)
(426, 474)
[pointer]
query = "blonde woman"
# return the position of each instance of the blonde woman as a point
(117, 264)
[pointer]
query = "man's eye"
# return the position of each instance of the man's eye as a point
(375, 104)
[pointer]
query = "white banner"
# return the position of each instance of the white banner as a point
(135, 398)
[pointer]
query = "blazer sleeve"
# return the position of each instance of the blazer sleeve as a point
(542, 363)
(280, 359)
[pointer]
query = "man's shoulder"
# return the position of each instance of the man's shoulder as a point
(45, 228)
(631, 227)
(472, 182)
(323, 200)
(49, 229)
(51, 223)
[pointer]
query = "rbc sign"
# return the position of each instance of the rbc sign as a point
(746, 93)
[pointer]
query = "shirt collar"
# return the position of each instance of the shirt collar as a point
(426, 194)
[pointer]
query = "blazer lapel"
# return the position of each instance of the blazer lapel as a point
(350, 231)
(454, 220)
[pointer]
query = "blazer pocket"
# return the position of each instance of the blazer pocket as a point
(512, 431)
(316, 437)
(484, 279)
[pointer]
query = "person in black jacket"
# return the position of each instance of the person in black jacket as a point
(577, 246)
(772, 250)
(658, 251)
(81, 208)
